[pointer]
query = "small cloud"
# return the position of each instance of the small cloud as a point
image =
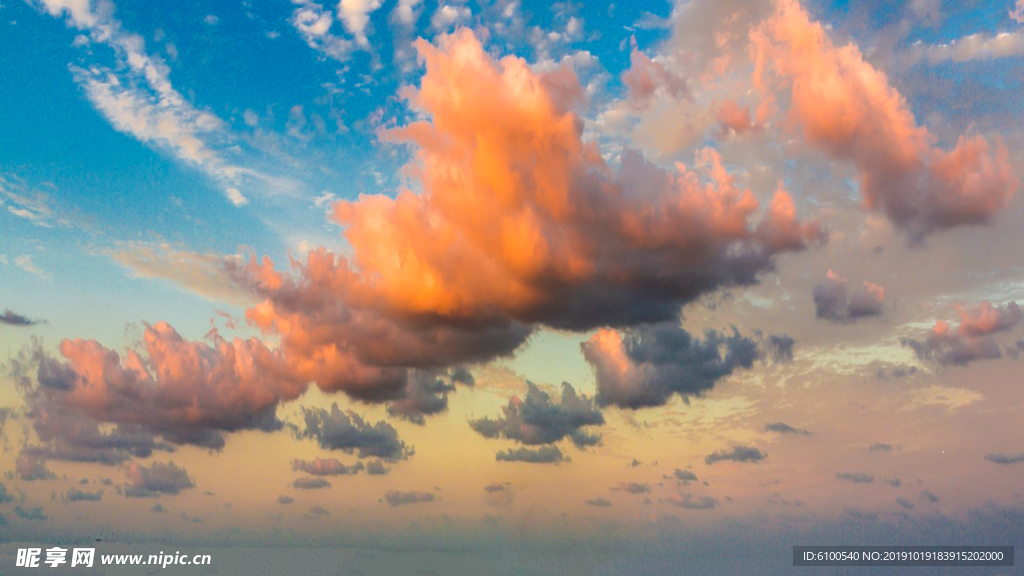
(600, 502)
(35, 513)
(783, 428)
(633, 487)
(542, 455)
(310, 483)
(317, 512)
(691, 503)
(12, 318)
(855, 477)
(76, 495)
(684, 475)
(832, 302)
(736, 454)
(1005, 459)
(399, 498)
(929, 496)
(376, 468)
(158, 478)
(285, 499)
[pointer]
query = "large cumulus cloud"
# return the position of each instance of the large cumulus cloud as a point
(517, 222)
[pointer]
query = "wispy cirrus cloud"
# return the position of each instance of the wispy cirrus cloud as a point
(137, 98)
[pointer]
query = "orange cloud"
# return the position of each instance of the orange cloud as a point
(845, 106)
(519, 222)
(188, 392)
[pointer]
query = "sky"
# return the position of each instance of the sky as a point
(614, 283)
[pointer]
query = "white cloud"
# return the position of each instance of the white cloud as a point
(137, 97)
(446, 16)
(973, 47)
(313, 23)
(355, 14)
(25, 263)
(1017, 14)
(405, 12)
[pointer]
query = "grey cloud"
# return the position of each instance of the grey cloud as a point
(684, 475)
(905, 503)
(76, 495)
(783, 428)
(285, 499)
(12, 318)
(663, 360)
(31, 467)
(689, 502)
(376, 468)
(34, 513)
(157, 508)
(972, 340)
(856, 477)
(634, 487)
(537, 419)
(494, 487)
(736, 454)
(833, 302)
(929, 496)
(326, 467)
(317, 512)
(310, 483)
(348, 432)
(779, 348)
(542, 455)
(1005, 459)
(426, 393)
(399, 498)
(5, 496)
(599, 502)
(158, 478)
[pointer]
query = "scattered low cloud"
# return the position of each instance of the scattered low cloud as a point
(348, 432)
(399, 498)
(1005, 459)
(537, 419)
(856, 477)
(310, 483)
(736, 454)
(156, 479)
(11, 318)
(326, 467)
(833, 302)
(76, 495)
(783, 428)
(972, 340)
(542, 455)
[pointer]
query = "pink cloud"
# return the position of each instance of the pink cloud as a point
(847, 107)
